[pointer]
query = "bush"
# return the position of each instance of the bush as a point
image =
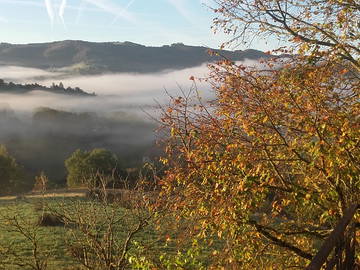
(123, 198)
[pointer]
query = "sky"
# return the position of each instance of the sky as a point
(147, 22)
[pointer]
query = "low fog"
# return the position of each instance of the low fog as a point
(41, 129)
(15, 73)
(115, 92)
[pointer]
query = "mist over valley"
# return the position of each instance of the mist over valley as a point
(42, 126)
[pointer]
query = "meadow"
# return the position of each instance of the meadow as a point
(50, 238)
(25, 240)
(83, 233)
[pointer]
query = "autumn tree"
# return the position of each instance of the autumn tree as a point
(319, 29)
(271, 164)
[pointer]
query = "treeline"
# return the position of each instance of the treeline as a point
(15, 88)
(43, 141)
(83, 169)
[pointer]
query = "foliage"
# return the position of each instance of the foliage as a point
(320, 29)
(273, 162)
(12, 175)
(190, 258)
(84, 166)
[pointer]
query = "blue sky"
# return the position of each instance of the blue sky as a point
(148, 22)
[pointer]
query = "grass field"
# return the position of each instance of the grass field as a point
(50, 239)
(19, 217)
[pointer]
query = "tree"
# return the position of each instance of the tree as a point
(12, 176)
(322, 29)
(85, 166)
(273, 162)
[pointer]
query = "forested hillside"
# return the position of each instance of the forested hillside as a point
(16, 88)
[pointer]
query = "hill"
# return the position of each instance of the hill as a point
(95, 58)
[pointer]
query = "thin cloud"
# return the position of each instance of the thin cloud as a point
(104, 5)
(41, 5)
(129, 4)
(113, 9)
(50, 11)
(62, 11)
(22, 2)
(207, 2)
(126, 8)
(179, 5)
(3, 20)
(80, 11)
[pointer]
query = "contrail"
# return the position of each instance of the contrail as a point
(109, 7)
(179, 5)
(50, 11)
(126, 8)
(62, 11)
(80, 12)
(129, 4)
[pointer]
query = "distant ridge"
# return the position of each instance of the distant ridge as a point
(82, 57)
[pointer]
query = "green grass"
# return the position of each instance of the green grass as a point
(50, 239)
(54, 241)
